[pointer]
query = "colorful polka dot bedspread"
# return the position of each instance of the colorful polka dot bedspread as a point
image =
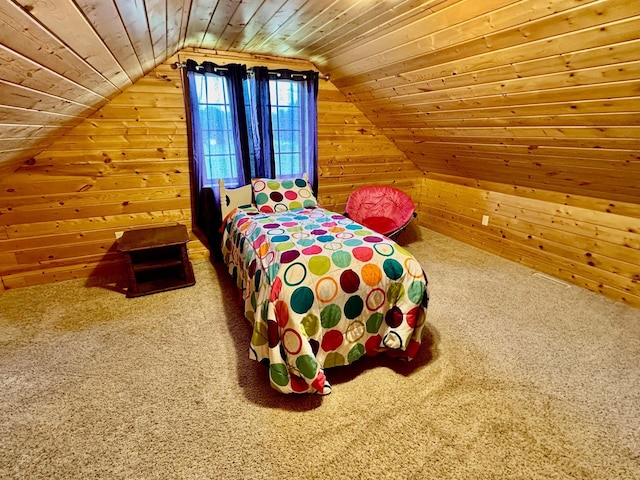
(322, 291)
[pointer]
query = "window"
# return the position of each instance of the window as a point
(217, 129)
(286, 123)
(288, 127)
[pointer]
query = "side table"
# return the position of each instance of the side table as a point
(156, 259)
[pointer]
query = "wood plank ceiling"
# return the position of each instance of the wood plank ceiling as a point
(536, 93)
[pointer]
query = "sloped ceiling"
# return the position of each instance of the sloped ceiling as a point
(543, 94)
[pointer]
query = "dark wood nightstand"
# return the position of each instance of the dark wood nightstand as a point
(156, 259)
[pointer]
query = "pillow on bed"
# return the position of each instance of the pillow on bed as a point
(282, 195)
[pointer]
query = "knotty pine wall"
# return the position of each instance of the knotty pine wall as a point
(127, 167)
(583, 240)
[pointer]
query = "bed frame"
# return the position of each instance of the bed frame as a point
(234, 197)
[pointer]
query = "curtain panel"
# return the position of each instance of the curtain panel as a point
(206, 196)
(259, 112)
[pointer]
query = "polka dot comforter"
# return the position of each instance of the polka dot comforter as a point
(322, 291)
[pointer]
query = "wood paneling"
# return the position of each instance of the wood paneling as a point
(353, 152)
(127, 166)
(484, 89)
(585, 241)
(505, 96)
(62, 210)
(57, 16)
(436, 76)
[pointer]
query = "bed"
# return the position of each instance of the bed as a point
(319, 289)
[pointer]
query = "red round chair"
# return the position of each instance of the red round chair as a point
(382, 208)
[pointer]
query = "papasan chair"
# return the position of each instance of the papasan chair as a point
(382, 208)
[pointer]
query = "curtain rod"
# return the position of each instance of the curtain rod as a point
(176, 65)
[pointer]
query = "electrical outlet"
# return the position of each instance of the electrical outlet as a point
(485, 220)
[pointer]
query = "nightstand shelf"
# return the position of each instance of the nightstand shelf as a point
(156, 259)
(156, 264)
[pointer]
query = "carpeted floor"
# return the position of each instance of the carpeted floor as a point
(519, 377)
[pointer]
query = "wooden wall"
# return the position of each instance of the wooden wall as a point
(582, 240)
(127, 166)
(531, 93)
(523, 110)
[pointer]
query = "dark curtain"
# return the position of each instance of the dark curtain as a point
(259, 112)
(206, 197)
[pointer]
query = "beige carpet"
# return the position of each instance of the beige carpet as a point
(519, 378)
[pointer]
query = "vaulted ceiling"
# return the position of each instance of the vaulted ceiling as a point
(537, 93)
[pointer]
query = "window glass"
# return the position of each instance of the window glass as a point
(218, 133)
(285, 119)
(217, 129)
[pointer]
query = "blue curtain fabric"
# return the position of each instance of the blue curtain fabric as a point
(206, 197)
(259, 112)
